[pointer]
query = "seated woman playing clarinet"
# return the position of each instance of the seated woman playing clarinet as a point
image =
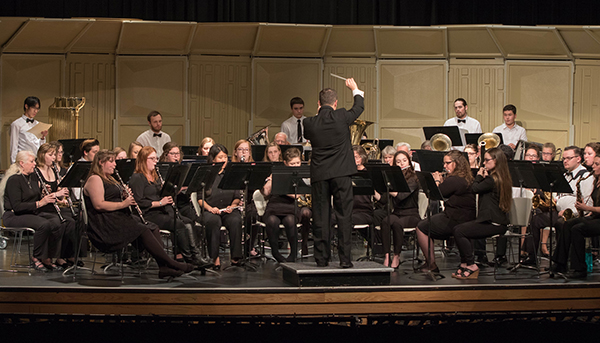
(221, 208)
(459, 206)
(282, 209)
(146, 185)
(494, 186)
(112, 226)
(26, 206)
(405, 211)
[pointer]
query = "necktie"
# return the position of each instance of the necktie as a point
(462, 121)
(158, 135)
(299, 131)
(29, 120)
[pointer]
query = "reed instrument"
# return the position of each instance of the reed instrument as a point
(46, 191)
(129, 194)
(68, 197)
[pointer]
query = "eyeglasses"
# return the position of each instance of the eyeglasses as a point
(243, 149)
(153, 158)
(174, 153)
(568, 158)
(547, 153)
(531, 155)
(488, 159)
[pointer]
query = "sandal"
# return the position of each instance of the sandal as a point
(459, 273)
(468, 274)
(39, 266)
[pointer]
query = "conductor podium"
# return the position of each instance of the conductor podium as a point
(366, 273)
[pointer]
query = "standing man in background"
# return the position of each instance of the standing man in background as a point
(332, 165)
(20, 139)
(154, 137)
(294, 127)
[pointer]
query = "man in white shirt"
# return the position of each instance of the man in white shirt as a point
(462, 120)
(294, 127)
(511, 132)
(154, 137)
(403, 146)
(20, 139)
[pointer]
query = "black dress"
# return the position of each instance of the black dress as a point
(111, 231)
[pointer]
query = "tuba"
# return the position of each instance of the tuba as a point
(357, 129)
(488, 140)
(260, 137)
(440, 142)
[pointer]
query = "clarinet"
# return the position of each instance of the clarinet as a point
(68, 197)
(46, 192)
(162, 182)
(137, 207)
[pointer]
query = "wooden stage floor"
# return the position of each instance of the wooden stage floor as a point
(239, 293)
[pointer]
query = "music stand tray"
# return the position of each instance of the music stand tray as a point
(453, 132)
(71, 149)
(291, 180)
(126, 168)
(76, 175)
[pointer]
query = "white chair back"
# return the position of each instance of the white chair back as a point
(84, 212)
(423, 204)
(260, 202)
(520, 211)
(194, 199)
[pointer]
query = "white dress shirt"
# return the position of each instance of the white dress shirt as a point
(290, 128)
(565, 200)
(472, 125)
(21, 140)
(511, 135)
(147, 138)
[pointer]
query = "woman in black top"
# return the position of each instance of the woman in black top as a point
(281, 209)
(221, 210)
(575, 230)
(459, 206)
(24, 206)
(111, 224)
(146, 187)
(405, 211)
(494, 186)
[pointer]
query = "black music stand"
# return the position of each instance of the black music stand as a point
(189, 149)
(173, 182)
(363, 185)
(388, 179)
(453, 132)
(71, 149)
(381, 143)
(164, 167)
(551, 179)
(245, 177)
(193, 158)
(258, 152)
(75, 178)
(431, 190)
(291, 180)
(126, 167)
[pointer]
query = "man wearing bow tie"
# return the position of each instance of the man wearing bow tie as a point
(154, 137)
(20, 139)
(462, 120)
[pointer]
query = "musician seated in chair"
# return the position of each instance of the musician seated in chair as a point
(222, 209)
(459, 206)
(146, 186)
(273, 153)
(282, 209)
(25, 206)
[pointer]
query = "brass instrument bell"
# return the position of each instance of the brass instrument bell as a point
(440, 142)
(489, 140)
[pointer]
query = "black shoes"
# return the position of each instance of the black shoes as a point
(346, 264)
(322, 263)
(528, 261)
(498, 261)
(558, 268)
(574, 274)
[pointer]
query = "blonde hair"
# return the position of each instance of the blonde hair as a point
(12, 170)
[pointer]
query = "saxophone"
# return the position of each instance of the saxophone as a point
(568, 213)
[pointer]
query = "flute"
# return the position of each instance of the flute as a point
(46, 192)
(137, 207)
(68, 197)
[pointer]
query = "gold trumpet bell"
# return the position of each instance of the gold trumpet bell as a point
(488, 140)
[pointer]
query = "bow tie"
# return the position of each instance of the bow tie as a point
(29, 120)
(462, 121)
(157, 135)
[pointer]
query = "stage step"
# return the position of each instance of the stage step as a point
(307, 274)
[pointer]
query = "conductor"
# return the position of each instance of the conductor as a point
(332, 164)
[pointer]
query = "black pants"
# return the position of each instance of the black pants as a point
(538, 222)
(49, 231)
(181, 227)
(397, 224)
(233, 222)
(289, 222)
(572, 236)
(466, 232)
(341, 190)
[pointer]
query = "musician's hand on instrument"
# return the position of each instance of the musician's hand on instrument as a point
(183, 189)
(167, 200)
(129, 201)
(581, 206)
(62, 192)
(213, 210)
(483, 172)
(48, 199)
(560, 214)
(514, 147)
(350, 83)
(437, 176)
(229, 209)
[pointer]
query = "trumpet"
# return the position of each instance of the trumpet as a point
(68, 197)
(128, 192)
(46, 191)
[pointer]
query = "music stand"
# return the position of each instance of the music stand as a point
(258, 152)
(430, 160)
(172, 183)
(164, 167)
(363, 185)
(245, 176)
(189, 149)
(551, 179)
(431, 190)
(453, 132)
(388, 179)
(382, 143)
(71, 149)
(75, 178)
(194, 158)
(126, 167)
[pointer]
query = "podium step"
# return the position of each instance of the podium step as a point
(366, 273)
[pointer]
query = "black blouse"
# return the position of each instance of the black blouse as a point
(21, 193)
(144, 192)
(407, 202)
(489, 201)
(460, 199)
(221, 198)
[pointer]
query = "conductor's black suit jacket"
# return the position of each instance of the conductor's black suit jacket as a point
(329, 135)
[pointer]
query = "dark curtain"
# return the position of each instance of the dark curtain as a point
(336, 12)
